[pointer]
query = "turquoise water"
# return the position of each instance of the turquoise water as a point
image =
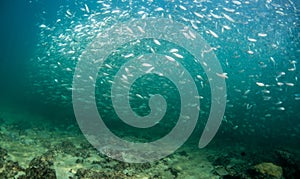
(269, 30)
(256, 42)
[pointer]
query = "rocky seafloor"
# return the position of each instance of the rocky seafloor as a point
(35, 149)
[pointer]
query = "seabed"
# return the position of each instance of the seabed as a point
(36, 149)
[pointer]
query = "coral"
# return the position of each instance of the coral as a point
(266, 170)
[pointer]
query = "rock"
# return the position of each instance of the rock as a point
(8, 168)
(11, 170)
(88, 173)
(266, 170)
(3, 155)
(2, 121)
(235, 176)
(222, 160)
(220, 170)
(287, 160)
(40, 167)
(174, 171)
(183, 153)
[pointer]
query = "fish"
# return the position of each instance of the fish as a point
(146, 65)
(182, 7)
(247, 92)
(173, 50)
(228, 17)
(124, 77)
(281, 108)
(129, 55)
(150, 70)
(226, 27)
(260, 84)
(199, 77)
(141, 29)
(215, 16)
(170, 58)
(229, 10)
(268, 115)
(159, 9)
(289, 84)
(68, 69)
(198, 15)
(115, 11)
(251, 39)
(194, 25)
(87, 8)
(262, 34)
(213, 33)
(43, 26)
(235, 127)
(265, 68)
(236, 2)
(192, 34)
(129, 29)
(156, 42)
(177, 55)
(280, 83)
(250, 52)
(222, 75)
(139, 96)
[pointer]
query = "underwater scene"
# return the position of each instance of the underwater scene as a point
(187, 89)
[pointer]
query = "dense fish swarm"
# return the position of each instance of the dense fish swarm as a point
(257, 43)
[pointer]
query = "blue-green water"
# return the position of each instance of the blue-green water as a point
(256, 42)
(269, 30)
